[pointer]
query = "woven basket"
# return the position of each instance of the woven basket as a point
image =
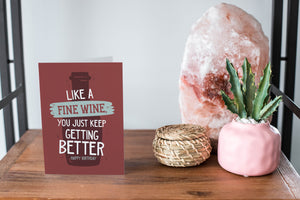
(181, 145)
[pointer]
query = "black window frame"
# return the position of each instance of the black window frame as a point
(290, 70)
(18, 61)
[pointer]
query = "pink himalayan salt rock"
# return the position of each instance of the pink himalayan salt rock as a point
(224, 31)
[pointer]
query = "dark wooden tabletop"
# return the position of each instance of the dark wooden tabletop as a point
(22, 176)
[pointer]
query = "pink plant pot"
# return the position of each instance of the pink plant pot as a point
(249, 149)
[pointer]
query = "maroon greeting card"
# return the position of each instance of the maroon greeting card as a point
(82, 117)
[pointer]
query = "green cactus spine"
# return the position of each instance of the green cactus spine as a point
(248, 101)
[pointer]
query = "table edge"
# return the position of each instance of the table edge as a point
(17, 149)
(289, 175)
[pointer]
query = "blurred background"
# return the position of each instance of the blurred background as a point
(147, 36)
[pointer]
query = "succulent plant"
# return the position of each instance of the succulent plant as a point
(250, 101)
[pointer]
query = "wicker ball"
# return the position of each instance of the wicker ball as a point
(181, 145)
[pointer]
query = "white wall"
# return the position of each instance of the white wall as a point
(147, 36)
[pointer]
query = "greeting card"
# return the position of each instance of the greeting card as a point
(82, 117)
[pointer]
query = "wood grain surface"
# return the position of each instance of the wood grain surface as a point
(22, 176)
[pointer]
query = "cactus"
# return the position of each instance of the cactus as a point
(248, 101)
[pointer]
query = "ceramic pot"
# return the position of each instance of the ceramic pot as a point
(249, 149)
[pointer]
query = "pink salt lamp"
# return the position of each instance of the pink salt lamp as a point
(224, 31)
